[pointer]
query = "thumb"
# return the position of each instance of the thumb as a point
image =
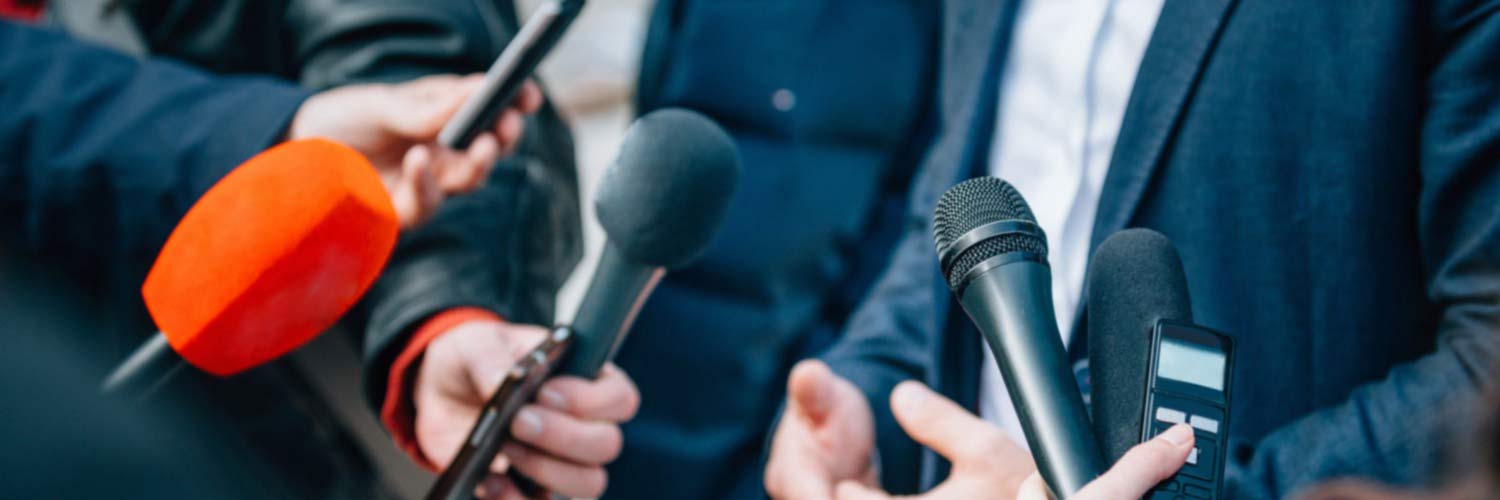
(853, 490)
(415, 187)
(1144, 466)
(426, 104)
(811, 387)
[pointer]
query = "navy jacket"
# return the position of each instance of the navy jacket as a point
(100, 154)
(1330, 172)
(823, 100)
(825, 113)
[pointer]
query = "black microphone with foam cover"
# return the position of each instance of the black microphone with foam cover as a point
(994, 256)
(661, 203)
(1135, 280)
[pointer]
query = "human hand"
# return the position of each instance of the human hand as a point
(396, 127)
(561, 442)
(826, 435)
(1143, 467)
(986, 463)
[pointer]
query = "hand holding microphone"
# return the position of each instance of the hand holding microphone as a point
(660, 205)
(1141, 468)
(562, 440)
(267, 259)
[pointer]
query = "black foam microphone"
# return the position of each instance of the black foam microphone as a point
(1135, 280)
(994, 257)
(660, 204)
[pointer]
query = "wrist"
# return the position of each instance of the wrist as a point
(397, 412)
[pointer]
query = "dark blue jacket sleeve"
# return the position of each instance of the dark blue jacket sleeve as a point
(1392, 429)
(100, 153)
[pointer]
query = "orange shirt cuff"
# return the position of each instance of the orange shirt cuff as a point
(396, 412)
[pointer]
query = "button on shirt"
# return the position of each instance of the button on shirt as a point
(1066, 83)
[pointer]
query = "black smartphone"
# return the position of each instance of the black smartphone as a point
(504, 78)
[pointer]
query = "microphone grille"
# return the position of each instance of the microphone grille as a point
(973, 203)
(667, 192)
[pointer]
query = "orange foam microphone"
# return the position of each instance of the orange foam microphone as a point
(268, 258)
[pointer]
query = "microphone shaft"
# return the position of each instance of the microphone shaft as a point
(615, 295)
(1014, 306)
(151, 365)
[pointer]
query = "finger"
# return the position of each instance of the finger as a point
(529, 98)
(407, 193)
(429, 194)
(425, 105)
(947, 428)
(564, 436)
(1033, 489)
(612, 397)
(793, 470)
(1144, 466)
(487, 361)
(509, 128)
(810, 388)
(497, 487)
(851, 490)
(467, 171)
(442, 425)
(561, 477)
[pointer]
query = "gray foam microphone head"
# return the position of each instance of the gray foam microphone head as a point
(662, 201)
(977, 202)
(1134, 280)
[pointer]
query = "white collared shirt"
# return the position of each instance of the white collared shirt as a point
(1066, 82)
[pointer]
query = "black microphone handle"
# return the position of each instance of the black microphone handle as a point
(619, 288)
(614, 296)
(1012, 306)
(151, 365)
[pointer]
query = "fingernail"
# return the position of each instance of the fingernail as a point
(1178, 435)
(553, 398)
(910, 395)
(531, 423)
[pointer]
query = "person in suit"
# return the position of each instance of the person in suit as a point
(824, 100)
(1329, 172)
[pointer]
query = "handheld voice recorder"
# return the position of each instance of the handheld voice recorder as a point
(1188, 383)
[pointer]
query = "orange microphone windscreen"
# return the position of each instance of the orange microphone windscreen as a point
(271, 255)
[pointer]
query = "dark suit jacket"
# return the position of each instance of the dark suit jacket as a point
(1330, 172)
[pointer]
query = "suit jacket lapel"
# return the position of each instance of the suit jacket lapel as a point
(1185, 34)
(969, 37)
(976, 35)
